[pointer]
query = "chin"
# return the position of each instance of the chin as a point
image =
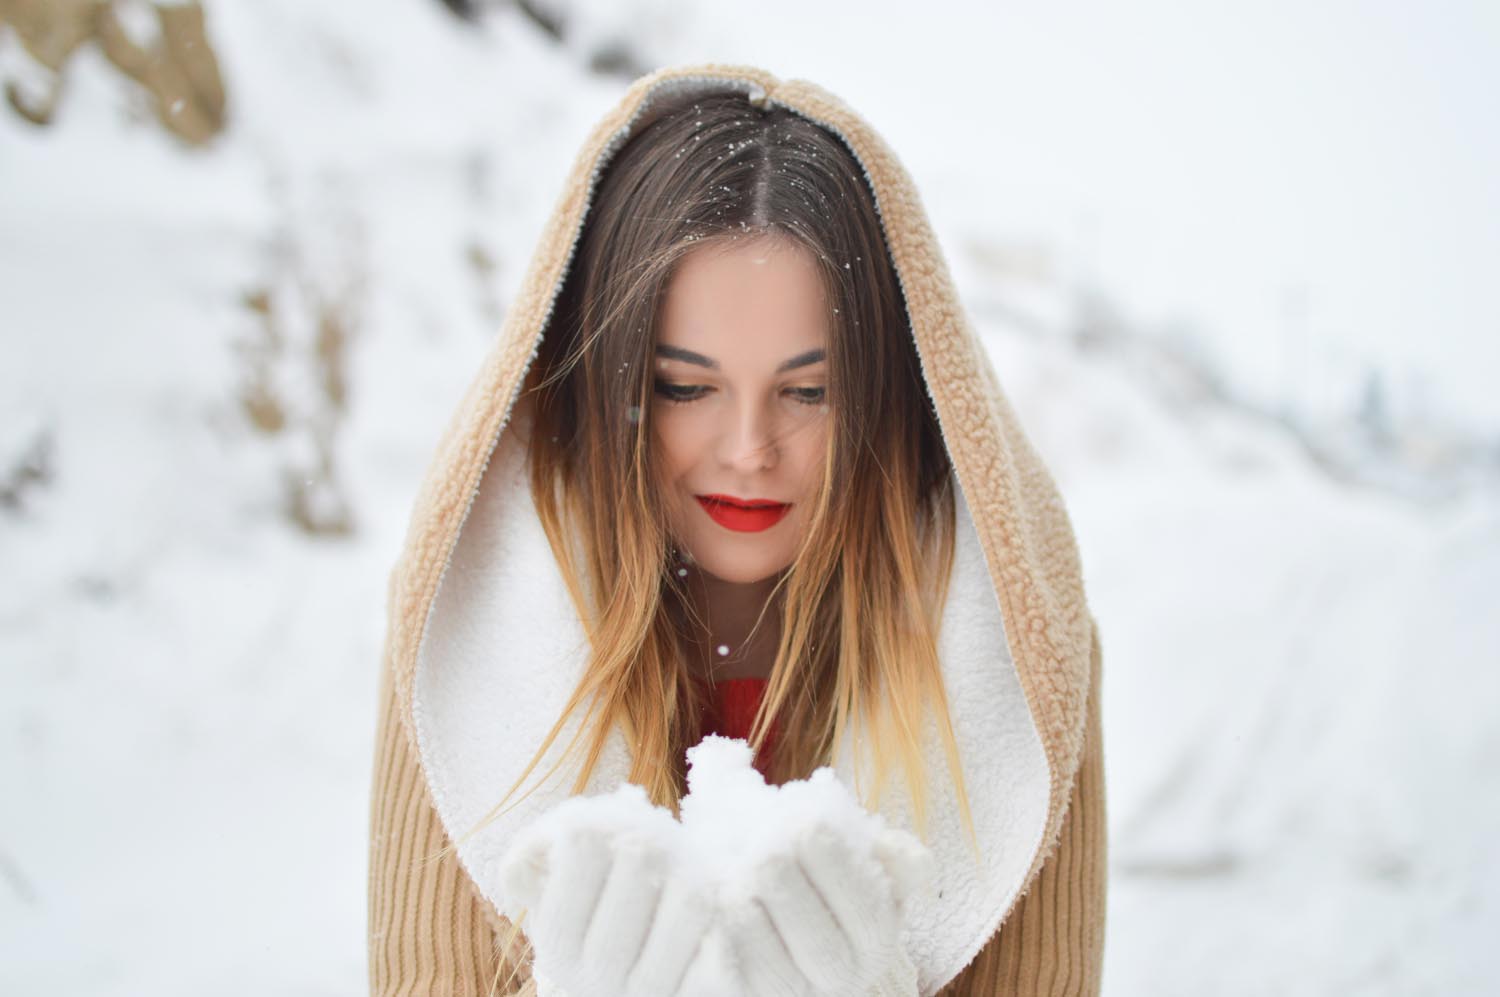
(741, 565)
(738, 570)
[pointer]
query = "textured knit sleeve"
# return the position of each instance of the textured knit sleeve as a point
(1052, 943)
(430, 931)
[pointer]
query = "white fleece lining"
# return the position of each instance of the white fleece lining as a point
(503, 649)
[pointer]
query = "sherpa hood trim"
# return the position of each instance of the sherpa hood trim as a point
(484, 644)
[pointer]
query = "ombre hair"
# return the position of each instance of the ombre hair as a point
(858, 652)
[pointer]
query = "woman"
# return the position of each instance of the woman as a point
(739, 302)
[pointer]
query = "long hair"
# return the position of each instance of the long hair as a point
(864, 594)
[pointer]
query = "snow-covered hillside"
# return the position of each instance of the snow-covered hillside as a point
(226, 369)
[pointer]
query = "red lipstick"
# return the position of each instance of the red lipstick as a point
(743, 515)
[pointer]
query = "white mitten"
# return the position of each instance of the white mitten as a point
(607, 912)
(824, 917)
(815, 887)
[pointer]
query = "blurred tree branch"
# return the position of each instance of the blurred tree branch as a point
(176, 67)
(613, 58)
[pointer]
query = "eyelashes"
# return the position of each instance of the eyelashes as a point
(678, 393)
(683, 393)
(809, 396)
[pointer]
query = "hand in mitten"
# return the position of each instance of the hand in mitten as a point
(825, 916)
(815, 888)
(606, 911)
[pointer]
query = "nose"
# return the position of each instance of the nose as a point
(748, 443)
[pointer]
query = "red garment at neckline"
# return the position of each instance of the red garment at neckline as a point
(731, 712)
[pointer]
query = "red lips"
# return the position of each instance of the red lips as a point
(743, 515)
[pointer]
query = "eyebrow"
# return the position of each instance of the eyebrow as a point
(688, 356)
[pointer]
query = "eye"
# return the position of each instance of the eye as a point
(809, 396)
(679, 392)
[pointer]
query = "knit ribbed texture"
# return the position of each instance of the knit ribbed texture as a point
(431, 932)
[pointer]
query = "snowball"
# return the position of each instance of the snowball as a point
(735, 821)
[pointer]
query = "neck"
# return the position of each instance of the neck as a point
(727, 613)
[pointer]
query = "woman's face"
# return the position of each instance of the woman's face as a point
(740, 413)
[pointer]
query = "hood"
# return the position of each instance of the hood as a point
(484, 645)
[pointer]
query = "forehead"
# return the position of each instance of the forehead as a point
(745, 298)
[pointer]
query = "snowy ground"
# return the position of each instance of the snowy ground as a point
(1300, 682)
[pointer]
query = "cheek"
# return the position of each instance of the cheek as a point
(810, 454)
(672, 446)
(812, 446)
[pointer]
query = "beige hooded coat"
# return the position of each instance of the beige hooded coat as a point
(483, 646)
